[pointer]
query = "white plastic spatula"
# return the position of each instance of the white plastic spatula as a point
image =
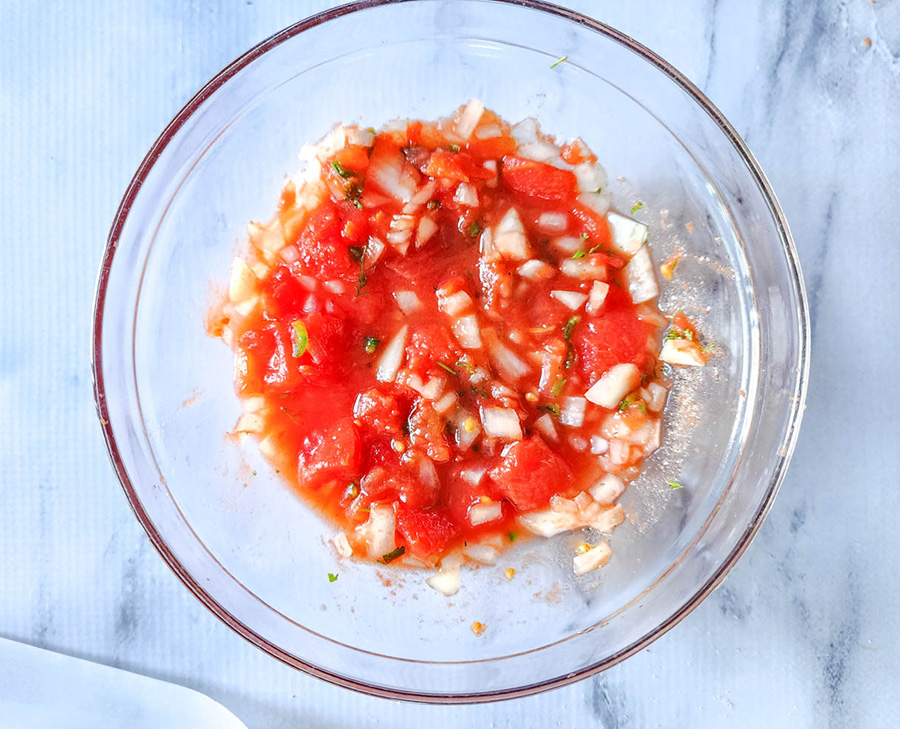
(40, 689)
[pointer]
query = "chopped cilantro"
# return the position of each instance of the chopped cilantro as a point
(675, 485)
(392, 555)
(626, 403)
(465, 365)
(433, 204)
(711, 347)
(353, 194)
(598, 190)
(448, 368)
(637, 206)
(454, 148)
(474, 229)
(332, 577)
(352, 491)
(567, 335)
(584, 236)
(558, 61)
(371, 344)
(558, 386)
(579, 254)
(549, 407)
(299, 337)
(512, 536)
(341, 171)
(356, 253)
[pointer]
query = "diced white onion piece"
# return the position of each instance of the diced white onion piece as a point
(246, 306)
(608, 520)
(501, 423)
(657, 397)
(392, 357)
(469, 119)
(378, 531)
(466, 195)
(507, 362)
(483, 513)
(573, 300)
(569, 244)
(243, 281)
(473, 475)
(466, 427)
(591, 178)
(553, 223)
(342, 545)
(335, 287)
(268, 238)
(654, 437)
(408, 301)
(583, 268)
(454, 304)
(627, 235)
(250, 423)
(483, 553)
(599, 290)
(465, 329)
(446, 581)
(578, 443)
(443, 404)
(592, 559)
(424, 194)
(641, 277)
(331, 143)
(427, 228)
(373, 250)
(433, 389)
(619, 452)
(540, 152)
(525, 130)
(599, 203)
(608, 489)
(390, 175)
(599, 445)
(681, 352)
(359, 137)
(546, 427)
(535, 270)
(616, 383)
(288, 254)
(509, 237)
(549, 523)
(488, 131)
(572, 411)
(480, 375)
(491, 166)
(254, 404)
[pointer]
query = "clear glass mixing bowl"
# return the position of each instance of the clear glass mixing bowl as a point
(257, 556)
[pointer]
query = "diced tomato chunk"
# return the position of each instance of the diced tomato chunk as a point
(323, 250)
(617, 336)
(353, 157)
(284, 294)
(425, 532)
(381, 411)
(252, 354)
(426, 430)
(327, 336)
(446, 165)
(530, 473)
(538, 180)
(430, 343)
(330, 454)
(283, 371)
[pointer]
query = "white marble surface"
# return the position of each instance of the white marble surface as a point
(804, 633)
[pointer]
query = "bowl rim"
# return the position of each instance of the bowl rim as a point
(785, 452)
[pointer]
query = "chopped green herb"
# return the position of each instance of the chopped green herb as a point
(353, 194)
(560, 60)
(626, 403)
(567, 335)
(291, 415)
(598, 190)
(371, 344)
(579, 254)
(351, 492)
(637, 206)
(363, 278)
(512, 536)
(392, 555)
(454, 148)
(299, 337)
(688, 334)
(675, 485)
(584, 236)
(356, 253)
(465, 365)
(474, 229)
(433, 204)
(549, 407)
(332, 577)
(558, 386)
(341, 170)
(711, 347)
(448, 368)
(254, 473)
(674, 333)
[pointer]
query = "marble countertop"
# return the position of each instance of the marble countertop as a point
(805, 631)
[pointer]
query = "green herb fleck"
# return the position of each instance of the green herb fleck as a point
(448, 368)
(558, 61)
(341, 171)
(392, 555)
(626, 403)
(332, 577)
(363, 278)
(711, 347)
(559, 386)
(474, 229)
(299, 337)
(356, 253)
(371, 344)
(454, 148)
(351, 492)
(465, 365)
(512, 536)
(549, 407)
(433, 204)
(637, 206)
(353, 194)
(675, 485)
(579, 254)
(567, 335)
(584, 236)
(598, 190)
(254, 473)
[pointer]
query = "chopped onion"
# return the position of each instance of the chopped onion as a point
(446, 581)
(582, 268)
(535, 270)
(599, 290)
(501, 423)
(616, 383)
(568, 244)
(509, 364)
(408, 301)
(246, 306)
(549, 523)
(469, 119)
(608, 489)
(335, 287)
(243, 281)
(465, 329)
(289, 254)
(627, 235)
(373, 250)
(392, 357)
(424, 194)
(592, 559)
(473, 475)
(553, 223)
(387, 171)
(466, 195)
(546, 427)
(491, 166)
(483, 553)
(466, 426)
(509, 237)
(525, 131)
(681, 352)
(540, 152)
(654, 437)
(489, 131)
(641, 277)
(400, 232)
(574, 300)
(427, 228)
(483, 513)
(572, 411)
(359, 137)
(599, 203)
(619, 452)
(591, 177)
(453, 304)
(608, 520)
(342, 545)
(657, 397)
(268, 238)
(445, 402)
(250, 423)
(378, 531)
(599, 445)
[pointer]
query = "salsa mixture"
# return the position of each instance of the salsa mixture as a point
(446, 339)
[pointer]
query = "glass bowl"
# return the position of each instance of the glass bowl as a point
(240, 539)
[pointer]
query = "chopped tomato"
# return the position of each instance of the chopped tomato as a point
(538, 180)
(426, 430)
(617, 337)
(381, 411)
(284, 294)
(446, 166)
(530, 473)
(330, 454)
(323, 250)
(353, 157)
(425, 532)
